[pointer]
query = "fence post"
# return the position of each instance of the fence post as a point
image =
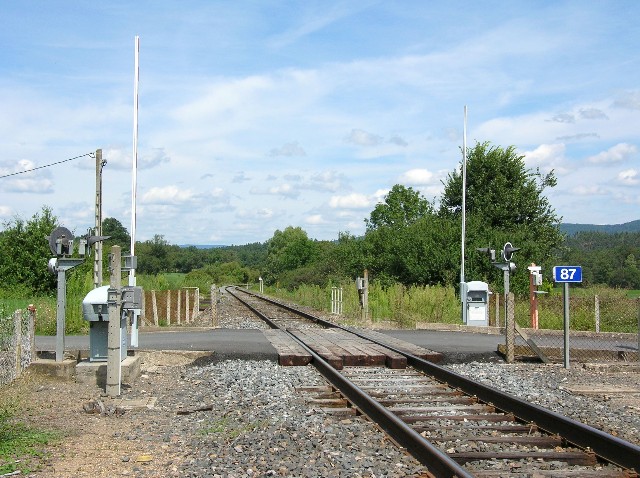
(179, 304)
(17, 333)
(186, 306)
(597, 312)
(497, 296)
(168, 306)
(196, 303)
(214, 303)
(32, 332)
(638, 355)
(510, 328)
(154, 304)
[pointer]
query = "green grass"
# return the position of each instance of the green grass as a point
(228, 429)
(21, 447)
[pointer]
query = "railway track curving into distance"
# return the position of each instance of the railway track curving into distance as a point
(451, 424)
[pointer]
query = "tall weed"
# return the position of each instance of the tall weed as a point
(403, 306)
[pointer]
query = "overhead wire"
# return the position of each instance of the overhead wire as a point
(91, 155)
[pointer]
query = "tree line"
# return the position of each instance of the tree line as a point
(408, 240)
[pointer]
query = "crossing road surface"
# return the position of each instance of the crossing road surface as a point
(251, 344)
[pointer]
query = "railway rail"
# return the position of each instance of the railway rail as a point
(455, 426)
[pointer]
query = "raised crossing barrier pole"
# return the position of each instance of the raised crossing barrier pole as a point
(113, 337)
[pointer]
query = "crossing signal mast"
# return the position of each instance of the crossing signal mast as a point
(62, 246)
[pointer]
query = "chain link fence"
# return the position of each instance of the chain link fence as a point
(17, 344)
(600, 328)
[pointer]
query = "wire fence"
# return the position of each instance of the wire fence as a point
(600, 328)
(17, 344)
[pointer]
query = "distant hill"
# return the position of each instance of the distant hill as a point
(572, 229)
(203, 246)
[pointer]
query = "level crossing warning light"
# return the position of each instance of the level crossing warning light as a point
(508, 250)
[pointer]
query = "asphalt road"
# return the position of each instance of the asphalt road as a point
(251, 344)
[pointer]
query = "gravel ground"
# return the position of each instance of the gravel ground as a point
(245, 419)
(615, 410)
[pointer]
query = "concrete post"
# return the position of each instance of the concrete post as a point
(169, 307)
(179, 305)
(214, 305)
(17, 333)
(510, 328)
(61, 307)
(154, 305)
(113, 338)
(186, 308)
(365, 297)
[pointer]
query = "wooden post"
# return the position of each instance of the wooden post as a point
(169, 307)
(196, 303)
(497, 309)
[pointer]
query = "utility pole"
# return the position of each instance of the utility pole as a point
(97, 256)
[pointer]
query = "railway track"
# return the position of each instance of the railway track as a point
(453, 425)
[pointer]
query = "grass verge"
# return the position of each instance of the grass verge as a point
(22, 447)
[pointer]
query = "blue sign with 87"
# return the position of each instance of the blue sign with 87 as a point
(567, 273)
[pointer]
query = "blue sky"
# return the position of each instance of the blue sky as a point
(258, 115)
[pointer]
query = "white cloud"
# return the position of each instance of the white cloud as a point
(629, 177)
(591, 190)
(593, 113)
(397, 140)
(5, 211)
(315, 219)
(286, 190)
(616, 154)
(288, 149)
(240, 177)
(417, 177)
(168, 195)
(326, 181)
(350, 201)
(628, 100)
(362, 138)
(261, 213)
(24, 177)
(547, 157)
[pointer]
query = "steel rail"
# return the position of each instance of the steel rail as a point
(270, 322)
(437, 462)
(612, 449)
